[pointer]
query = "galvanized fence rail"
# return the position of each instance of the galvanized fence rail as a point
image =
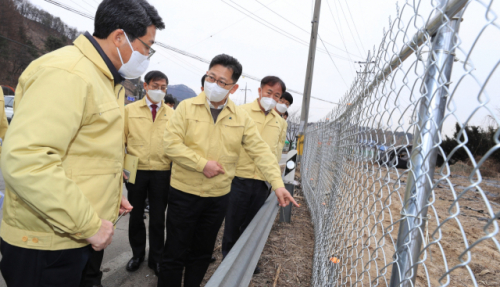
(399, 191)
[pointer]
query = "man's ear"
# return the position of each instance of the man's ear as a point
(234, 89)
(118, 37)
(145, 85)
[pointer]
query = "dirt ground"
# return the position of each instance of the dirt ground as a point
(459, 207)
(289, 248)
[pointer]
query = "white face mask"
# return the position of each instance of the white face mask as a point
(282, 108)
(267, 103)
(136, 65)
(214, 92)
(156, 95)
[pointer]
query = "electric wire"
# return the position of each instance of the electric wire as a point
(349, 27)
(343, 80)
(355, 26)
(339, 29)
(225, 28)
(80, 6)
(302, 29)
(294, 38)
(24, 45)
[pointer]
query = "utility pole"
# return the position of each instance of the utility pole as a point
(309, 76)
(245, 89)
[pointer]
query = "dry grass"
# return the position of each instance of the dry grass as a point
(489, 169)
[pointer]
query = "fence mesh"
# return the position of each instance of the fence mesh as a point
(402, 178)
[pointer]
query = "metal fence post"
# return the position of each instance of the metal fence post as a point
(289, 180)
(423, 161)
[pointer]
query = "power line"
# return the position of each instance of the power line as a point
(70, 9)
(225, 28)
(302, 29)
(276, 29)
(24, 45)
(355, 26)
(284, 32)
(348, 25)
(93, 8)
(339, 29)
(80, 6)
(334, 64)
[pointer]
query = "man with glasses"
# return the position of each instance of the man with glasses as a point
(145, 122)
(62, 157)
(204, 138)
(249, 189)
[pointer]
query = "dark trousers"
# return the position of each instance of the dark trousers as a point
(192, 226)
(154, 185)
(245, 199)
(22, 267)
(92, 273)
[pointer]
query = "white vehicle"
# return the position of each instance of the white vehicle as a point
(9, 111)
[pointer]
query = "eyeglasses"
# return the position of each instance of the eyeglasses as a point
(156, 87)
(221, 83)
(151, 50)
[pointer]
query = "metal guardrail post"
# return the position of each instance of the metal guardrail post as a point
(238, 266)
(424, 155)
(289, 180)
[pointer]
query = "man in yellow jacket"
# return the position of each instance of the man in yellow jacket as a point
(145, 123)
(249, 190)
(204, 138)
(63, 154)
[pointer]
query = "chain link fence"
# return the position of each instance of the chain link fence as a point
(402, 179)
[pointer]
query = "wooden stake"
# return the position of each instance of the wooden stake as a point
(277, 276)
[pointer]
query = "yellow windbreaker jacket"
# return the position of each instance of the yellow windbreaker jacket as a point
(192, 139)
(144, 138)
(270, 128)
(63, 155)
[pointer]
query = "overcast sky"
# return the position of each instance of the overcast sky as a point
(207, 28)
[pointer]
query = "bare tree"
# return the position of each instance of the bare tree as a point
(491, 121)
(293, 126)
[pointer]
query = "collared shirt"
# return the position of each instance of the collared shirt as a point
(216, 111)
(149, 103)
(219, 107)
(116, 76)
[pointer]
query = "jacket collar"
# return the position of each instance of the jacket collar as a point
(201, 99)
(93, 51)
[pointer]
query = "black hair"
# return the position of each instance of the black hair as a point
(203, 80)
(230, 63)
(285, 114)
(169, 100)
(271, 81)
(133, 16)
(154, 76)
(288, 97)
